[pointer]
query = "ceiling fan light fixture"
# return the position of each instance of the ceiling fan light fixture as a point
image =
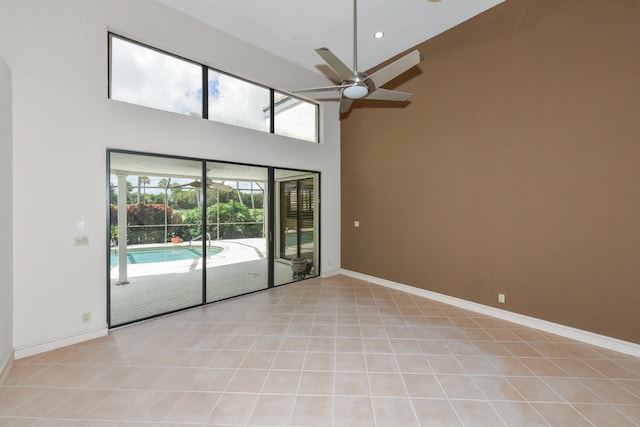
(355, 91)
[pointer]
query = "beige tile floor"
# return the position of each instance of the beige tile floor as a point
(325, 352)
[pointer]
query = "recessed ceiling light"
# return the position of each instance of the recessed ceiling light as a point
(378, 34)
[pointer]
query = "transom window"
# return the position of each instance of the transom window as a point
(145, 76)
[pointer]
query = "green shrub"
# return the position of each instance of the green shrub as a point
(234, 217)
(236, 222)
(147, 221)
(192, 223)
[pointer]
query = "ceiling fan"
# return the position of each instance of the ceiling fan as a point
(210, 184)
(355, 84)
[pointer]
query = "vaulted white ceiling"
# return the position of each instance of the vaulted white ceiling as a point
(292, 29)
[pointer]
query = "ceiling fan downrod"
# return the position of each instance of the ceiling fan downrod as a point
(355, 36)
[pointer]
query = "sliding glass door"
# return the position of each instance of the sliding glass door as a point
(296, 225)
(185, 232)
(153, 266)
(235, 224)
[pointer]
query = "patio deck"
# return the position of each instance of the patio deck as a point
(161, 287)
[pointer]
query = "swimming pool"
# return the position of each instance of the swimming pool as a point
(305, 237)
(164, 254)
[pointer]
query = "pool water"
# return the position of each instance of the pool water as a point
(305, 237)
(151, 255)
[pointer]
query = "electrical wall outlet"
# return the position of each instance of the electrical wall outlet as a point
(356, 224)
(501, 298)
(86, 317)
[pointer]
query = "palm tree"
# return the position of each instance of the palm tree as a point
(144, 180)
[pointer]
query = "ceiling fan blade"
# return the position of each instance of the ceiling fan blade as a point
(396, 68)
(320, 89)
(345, 104)
(325, 96)
(388, 95)
(194, 184)
(219, 187)
(339, 67)
(210, 184)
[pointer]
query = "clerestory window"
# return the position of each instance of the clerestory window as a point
(145, 76)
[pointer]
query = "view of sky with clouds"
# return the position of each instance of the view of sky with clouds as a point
(145, 76)
(237, 102)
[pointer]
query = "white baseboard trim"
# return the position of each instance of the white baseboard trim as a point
(327, 274)
(65, 340)
(531, 322)
(6, 367)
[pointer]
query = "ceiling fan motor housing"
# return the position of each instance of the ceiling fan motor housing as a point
(360, 87)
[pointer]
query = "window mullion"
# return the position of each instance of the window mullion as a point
(272, 119)
(205, 92)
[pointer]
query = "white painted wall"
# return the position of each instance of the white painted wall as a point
(6, 241)
(63, 123)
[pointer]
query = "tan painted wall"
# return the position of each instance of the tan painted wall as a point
(515, 168)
